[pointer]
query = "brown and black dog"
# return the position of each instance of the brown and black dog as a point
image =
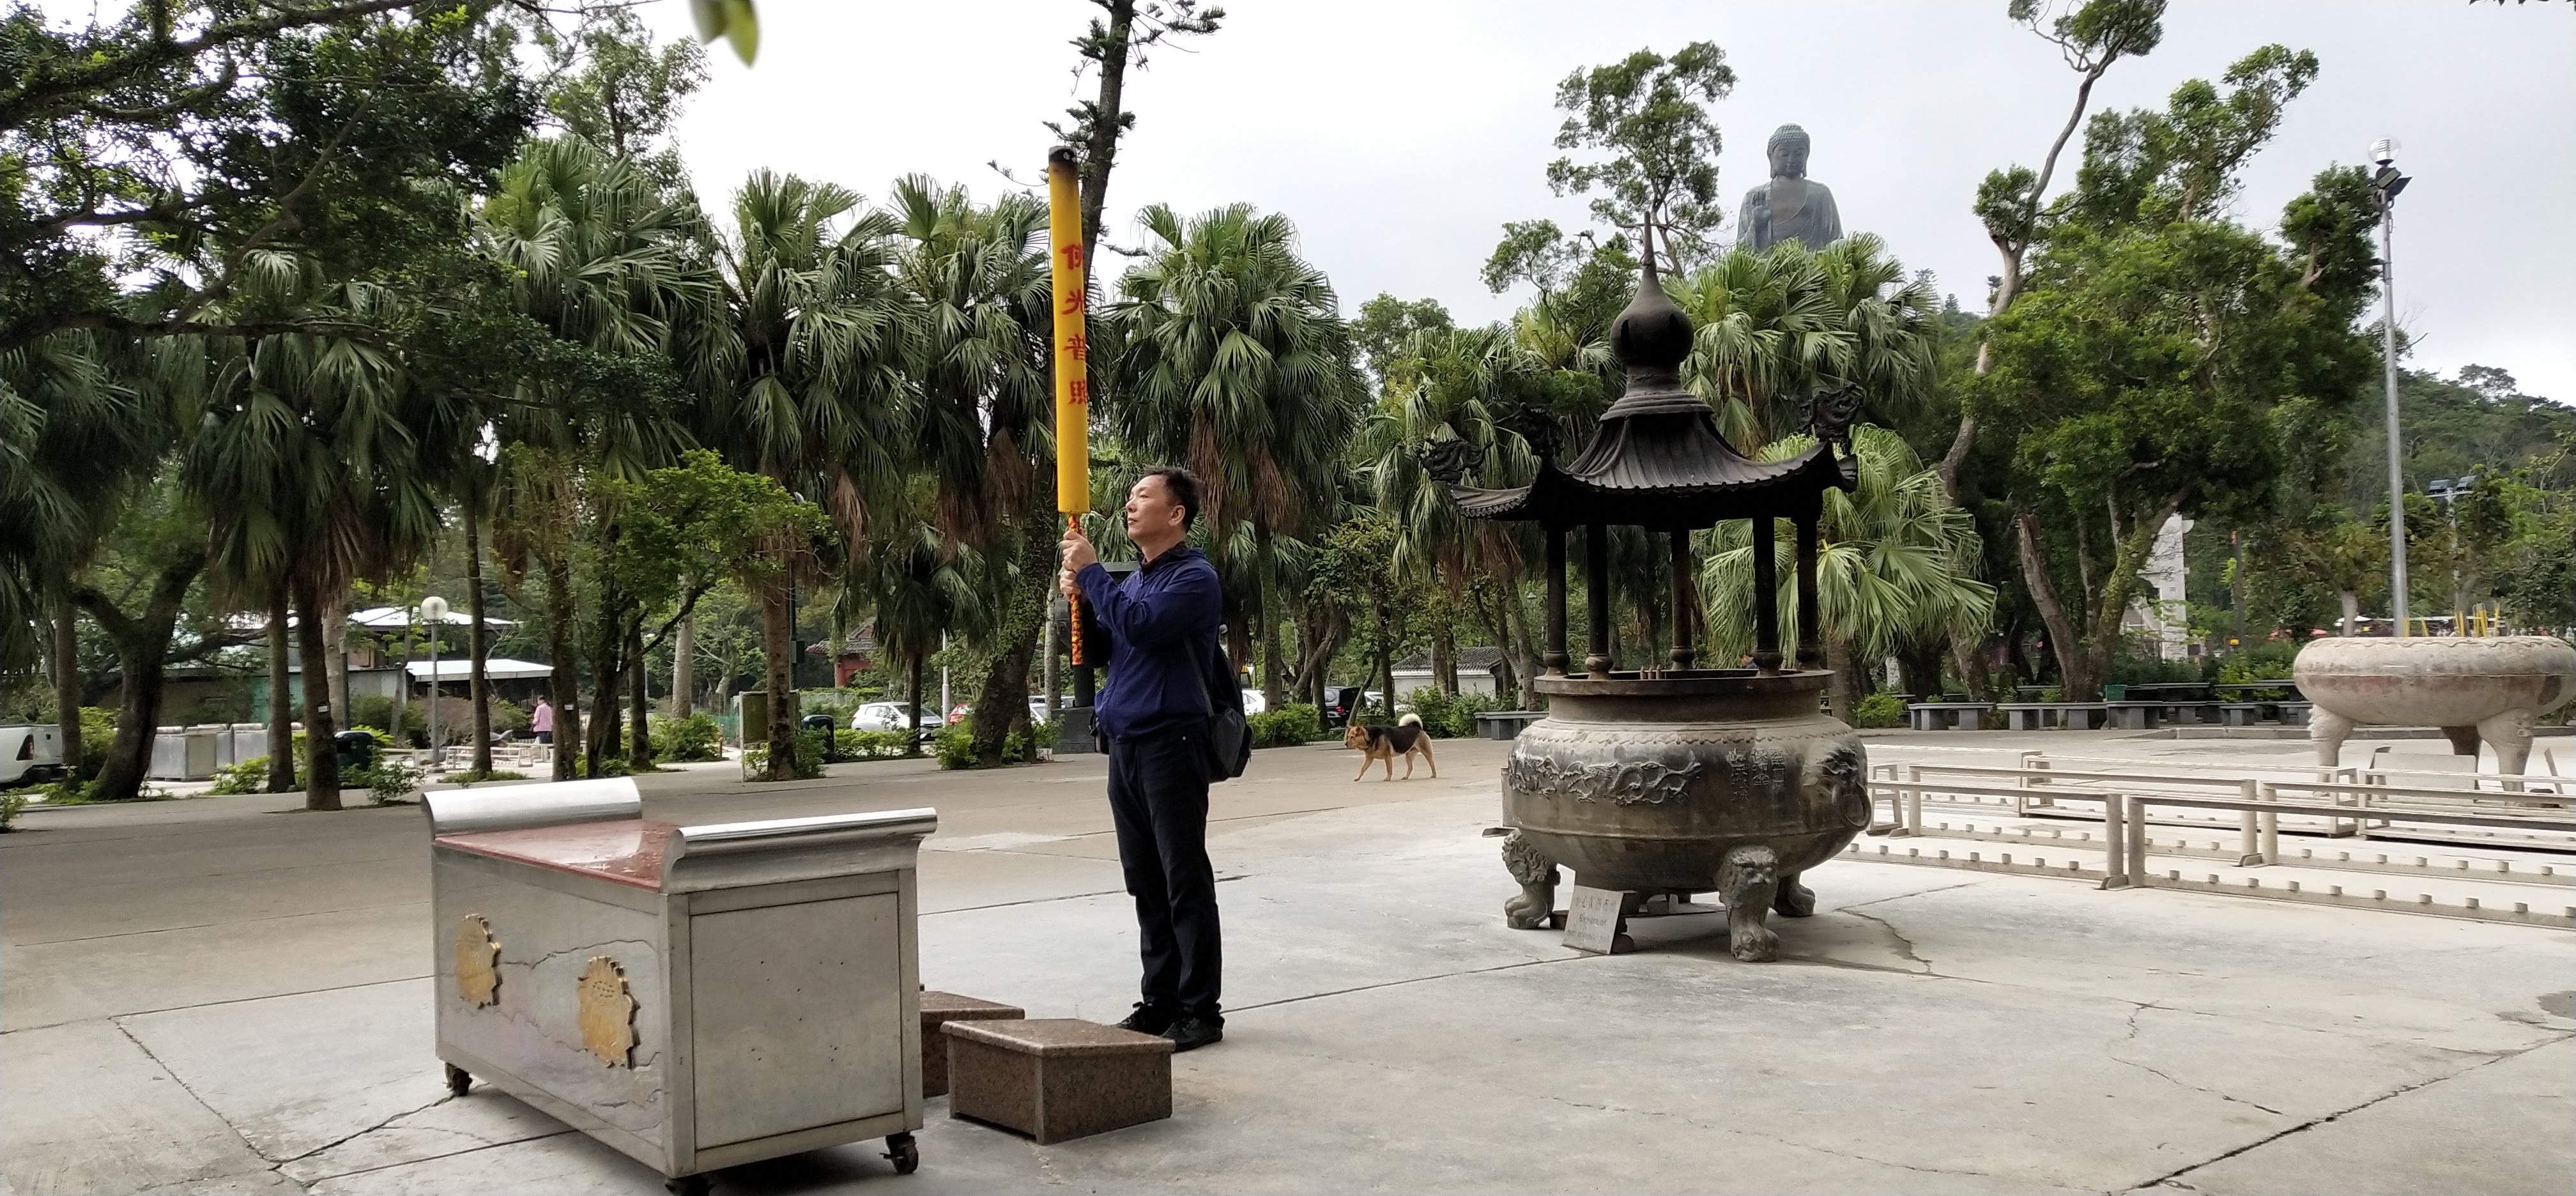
(1406, 738)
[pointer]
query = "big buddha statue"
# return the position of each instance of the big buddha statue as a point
(1791, 206)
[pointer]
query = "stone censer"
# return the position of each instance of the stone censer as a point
(1675, 780)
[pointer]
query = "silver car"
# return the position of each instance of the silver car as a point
(894, 716)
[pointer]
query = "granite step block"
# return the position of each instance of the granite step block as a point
(1056, 1079)
(939, 1009)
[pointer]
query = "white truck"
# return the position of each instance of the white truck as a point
(30, 755)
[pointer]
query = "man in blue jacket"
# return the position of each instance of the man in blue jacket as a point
(1161, 624)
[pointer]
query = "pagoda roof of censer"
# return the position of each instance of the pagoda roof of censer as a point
(1656, 459)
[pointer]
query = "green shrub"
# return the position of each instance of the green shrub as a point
(249, 776)
(808, 762)
(1023, 749)
(954, 744)
(1291, 725)
(10, 804)
(389, 781)
(1296, 723)
(98, 729)
(696, 737)
(1450, 716)
(471, 777)
(870, 745)
(1881, 709)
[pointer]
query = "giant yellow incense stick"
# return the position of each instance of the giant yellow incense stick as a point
(1072, 353)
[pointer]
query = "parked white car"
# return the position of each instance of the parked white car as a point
(30, 754)
(1255, 702)
(894, 716)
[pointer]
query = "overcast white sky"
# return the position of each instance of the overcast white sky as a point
(1400, 134)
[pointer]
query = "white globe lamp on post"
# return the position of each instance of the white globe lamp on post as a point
(433, 611)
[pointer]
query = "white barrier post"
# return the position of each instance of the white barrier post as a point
(2137, 820)
(2115, 858)
(2249, 848)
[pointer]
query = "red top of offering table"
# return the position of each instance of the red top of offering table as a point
(627, 851)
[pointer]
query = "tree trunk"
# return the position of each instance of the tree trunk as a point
(1970, 659)
(1005, 695)
(281, 714)
(913, 745)
(478, 645)
(684, 650)
(1843, 693)
(142, 645)
(335, 637)
(1920, 665)
(563, 681)
(2075, 674)
(321, 759)
(639, 737)
(778, 644)
(607, 668)
(1386, 658)
(67, 687)
(1444, 656)
(1524, 650)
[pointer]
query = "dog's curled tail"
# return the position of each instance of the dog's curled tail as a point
(1409, 720)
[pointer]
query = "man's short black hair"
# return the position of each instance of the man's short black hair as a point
(1184, 487)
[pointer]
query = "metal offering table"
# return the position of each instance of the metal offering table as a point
(696, 997)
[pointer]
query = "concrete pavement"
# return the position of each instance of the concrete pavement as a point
(228, 995)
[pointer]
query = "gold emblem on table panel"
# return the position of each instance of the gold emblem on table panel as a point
(478, 958)
(607, 1012)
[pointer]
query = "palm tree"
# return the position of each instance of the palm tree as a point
(805, 383)
(604, 260)
(1450, 386)
(1234, 361)
(1777, 326)
(1889, 564)
(980, 279)
(76, 433)
(316, 458)
(922, 585)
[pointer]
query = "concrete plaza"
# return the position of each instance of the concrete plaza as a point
(228, 995)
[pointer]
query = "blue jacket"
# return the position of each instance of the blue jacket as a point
(1161, 623)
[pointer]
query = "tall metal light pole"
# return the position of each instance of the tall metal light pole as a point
(2385, 184)
(433, 611)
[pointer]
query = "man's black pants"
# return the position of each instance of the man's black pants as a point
(1158, 796)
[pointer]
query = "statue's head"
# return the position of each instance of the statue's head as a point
(1789, 152)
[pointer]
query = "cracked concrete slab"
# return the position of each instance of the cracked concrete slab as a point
(90, 1110)
(363, 1057)
(2498, 1129)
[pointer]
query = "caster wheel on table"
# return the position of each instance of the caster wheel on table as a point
(457, 1080)
(906, 1155)
(689, 1185)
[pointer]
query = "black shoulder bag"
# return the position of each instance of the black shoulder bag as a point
(1229, 737)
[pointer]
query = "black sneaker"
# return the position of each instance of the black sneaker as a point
(1191, 1032)
(1148, 1019)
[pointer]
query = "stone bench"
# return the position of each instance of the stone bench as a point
(1943, 716)
(2037, 716)
(1505, 724)
(1056, 1079)
(2192, 710)
(2241, 714)
(2134, 716)
(938, 1009)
